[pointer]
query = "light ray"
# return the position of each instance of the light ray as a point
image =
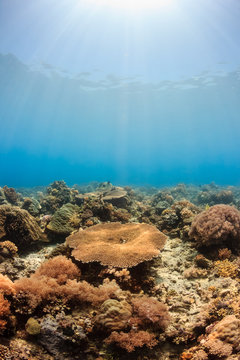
(133, 5)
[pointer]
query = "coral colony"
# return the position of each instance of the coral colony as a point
(106, 272)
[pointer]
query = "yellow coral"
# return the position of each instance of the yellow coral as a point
(226, 268)
(186, 356)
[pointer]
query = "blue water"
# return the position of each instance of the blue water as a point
(118, 127)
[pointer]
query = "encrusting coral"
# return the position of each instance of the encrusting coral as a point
(217, 225)
(116, 244)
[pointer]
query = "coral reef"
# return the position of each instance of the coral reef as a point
(144, 273)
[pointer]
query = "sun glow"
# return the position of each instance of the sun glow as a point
(134, 5)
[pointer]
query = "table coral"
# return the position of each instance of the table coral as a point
(116, 244)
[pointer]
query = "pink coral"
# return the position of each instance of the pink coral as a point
(4, 311)
(227, 330)
(6, 285)
(59, 268)
(129, 341)
(56, 279)
(151, 311)
(219, 224)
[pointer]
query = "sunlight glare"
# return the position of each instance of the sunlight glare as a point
(134, 5)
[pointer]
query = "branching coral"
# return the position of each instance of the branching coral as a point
(226, 268)
(5, 353)
(217, 225)
(4, 311)
(6, 288)
(6, 285)
(49, 283)
(59, 268)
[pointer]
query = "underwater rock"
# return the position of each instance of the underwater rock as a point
(18, 226)
(65, 220)
(57, 339)
(116, 244)
(217, 225)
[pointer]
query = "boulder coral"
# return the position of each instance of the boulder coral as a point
(217, 225)
(114, 314)
(62, 221)
(116, 244)
(19, 227)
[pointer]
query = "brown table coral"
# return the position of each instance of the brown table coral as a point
(116, 244)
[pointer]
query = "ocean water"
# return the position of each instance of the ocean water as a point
(133, 97)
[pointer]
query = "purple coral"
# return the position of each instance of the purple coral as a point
(219, 224)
